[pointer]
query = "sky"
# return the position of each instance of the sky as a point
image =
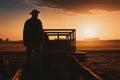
(90, 18)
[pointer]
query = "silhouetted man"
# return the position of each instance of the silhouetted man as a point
(32, 37)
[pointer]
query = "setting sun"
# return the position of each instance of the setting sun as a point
(89, 32)
(90, 19)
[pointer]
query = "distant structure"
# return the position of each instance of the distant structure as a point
(92, 39)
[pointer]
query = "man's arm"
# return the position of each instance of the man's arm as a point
(25, 32)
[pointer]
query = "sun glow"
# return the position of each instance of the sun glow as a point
(89, 32)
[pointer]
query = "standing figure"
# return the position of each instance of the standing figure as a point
(33, 37)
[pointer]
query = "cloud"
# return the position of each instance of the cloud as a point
(80, 6)
(13, 4)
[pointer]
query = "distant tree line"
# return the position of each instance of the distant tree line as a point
(6, 40)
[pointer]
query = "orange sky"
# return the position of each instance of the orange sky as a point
(98, 23)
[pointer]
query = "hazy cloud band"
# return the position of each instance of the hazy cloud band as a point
(80, 5)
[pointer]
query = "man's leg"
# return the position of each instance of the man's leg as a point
(37, 54)
(26, 74)
(28, 55)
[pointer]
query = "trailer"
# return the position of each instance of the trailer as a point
(60, 40)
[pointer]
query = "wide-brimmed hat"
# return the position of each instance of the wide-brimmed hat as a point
(35, 11)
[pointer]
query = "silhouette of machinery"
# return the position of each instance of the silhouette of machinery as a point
(60, 40)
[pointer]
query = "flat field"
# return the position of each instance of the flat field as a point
(103, 57)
